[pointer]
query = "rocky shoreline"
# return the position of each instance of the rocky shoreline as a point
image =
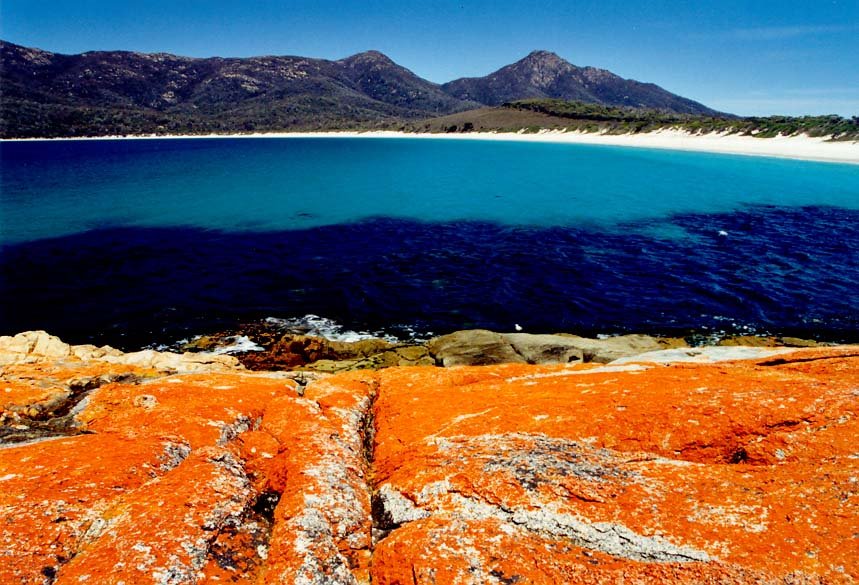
(273, 348)
(668, 464)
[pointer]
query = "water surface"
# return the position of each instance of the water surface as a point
(132, 242)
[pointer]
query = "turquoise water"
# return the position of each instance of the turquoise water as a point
(142, 242)
(62, 188)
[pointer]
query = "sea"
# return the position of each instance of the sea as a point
(142, 243)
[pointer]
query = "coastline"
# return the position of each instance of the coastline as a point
(791, 147)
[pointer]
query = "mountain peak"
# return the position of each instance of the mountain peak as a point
(542, 54)
(543, 74)
(371, 56)
(542, 58)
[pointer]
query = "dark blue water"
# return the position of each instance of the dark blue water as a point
(133, 243)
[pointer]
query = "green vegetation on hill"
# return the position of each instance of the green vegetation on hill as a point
(625, 120)
(551, 114)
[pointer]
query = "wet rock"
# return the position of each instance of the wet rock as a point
(797, 342)
(473, 347)
(749, 341)
(292, 351)
(414, 355)
(296, 351)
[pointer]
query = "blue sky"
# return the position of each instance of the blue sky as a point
(747, 57)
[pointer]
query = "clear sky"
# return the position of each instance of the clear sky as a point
(742, 56)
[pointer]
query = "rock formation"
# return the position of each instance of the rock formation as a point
(674, 466)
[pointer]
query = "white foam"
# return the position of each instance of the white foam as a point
(239, 344)
(172, 347)
(323, 327)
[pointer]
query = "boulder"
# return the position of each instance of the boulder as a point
(473, 347)
(31, 346)
(38, 347)
(545, 349)
(611, 348)
(481, 347)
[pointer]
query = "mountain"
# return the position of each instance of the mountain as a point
(543, 74)
(117, 92)
(382, 79)
(120, 92)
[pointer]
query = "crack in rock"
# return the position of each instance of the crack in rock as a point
(391, 509)
(57, 418)
(610, 538)
(532, 460)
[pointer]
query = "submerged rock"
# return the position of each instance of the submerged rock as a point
(729, 472)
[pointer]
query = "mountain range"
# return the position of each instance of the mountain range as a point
(120, 92)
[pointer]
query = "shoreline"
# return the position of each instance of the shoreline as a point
(801, 147)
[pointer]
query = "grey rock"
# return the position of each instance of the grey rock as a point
(545, 349)
(32, 346)
(391, 508)
(481, 347)
(474, 347)
(704, 354)
(612, 348)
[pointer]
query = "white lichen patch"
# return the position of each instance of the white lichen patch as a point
(749, 518)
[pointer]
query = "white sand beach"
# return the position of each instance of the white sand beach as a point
(795, 147)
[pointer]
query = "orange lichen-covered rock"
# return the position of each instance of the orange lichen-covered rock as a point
(322, 525)
(669, 468)
(155, 477)
(727, 472)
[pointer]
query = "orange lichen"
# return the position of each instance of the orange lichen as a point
(732, 472)
(751, 465)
